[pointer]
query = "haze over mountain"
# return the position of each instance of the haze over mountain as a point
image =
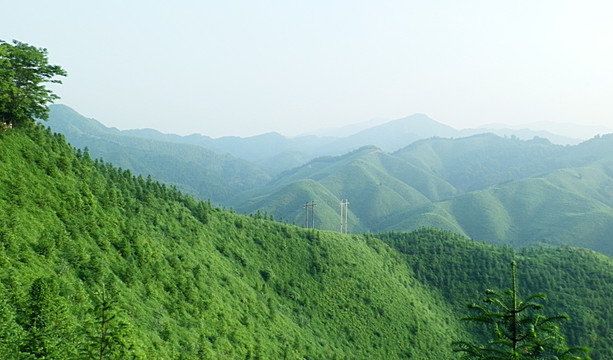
(501, 190)
(389, 136)
(569, 130)
(194, 169)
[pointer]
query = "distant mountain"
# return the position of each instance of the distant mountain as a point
(577, 131)
(390, 136)
(394, 135)
(265, 149)
(191, 168)
(493, 189)
(501, 190)
(377, 183)
(276, 153)
(478, 161)
(565, 207)
(523, 134)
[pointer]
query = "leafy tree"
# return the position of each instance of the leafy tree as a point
(24, 69)
(520, 330)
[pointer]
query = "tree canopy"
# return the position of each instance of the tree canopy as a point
(24, 70)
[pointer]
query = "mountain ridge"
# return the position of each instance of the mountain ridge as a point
(430, 182)
(185, 279)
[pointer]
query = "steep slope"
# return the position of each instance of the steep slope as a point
(184, 279)
(191, 168)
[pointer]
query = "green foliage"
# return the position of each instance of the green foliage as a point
(11, 333)
(183, 279)
(50, 331)
(519, 329)
(577, 282)
(24, 69)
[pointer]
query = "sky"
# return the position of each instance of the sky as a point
(244, 68)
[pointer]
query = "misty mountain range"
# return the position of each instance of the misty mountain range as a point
(517, 189)
(389, 136)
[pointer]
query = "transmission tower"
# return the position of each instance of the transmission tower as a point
(306, 214)
(344, 212)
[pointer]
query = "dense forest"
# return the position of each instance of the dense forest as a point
(99, 262)
(185, 280)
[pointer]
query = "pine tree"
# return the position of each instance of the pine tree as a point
(50, 331)
(520, 330)
(109, 334)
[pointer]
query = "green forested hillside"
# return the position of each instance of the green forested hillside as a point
(381, 180)
(191, 168)
(492, 189)
(188, 280)
(96, 262)
(576, 281)
(570, 206)
(87, 247)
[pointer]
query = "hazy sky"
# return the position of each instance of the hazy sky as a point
(242, 68)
